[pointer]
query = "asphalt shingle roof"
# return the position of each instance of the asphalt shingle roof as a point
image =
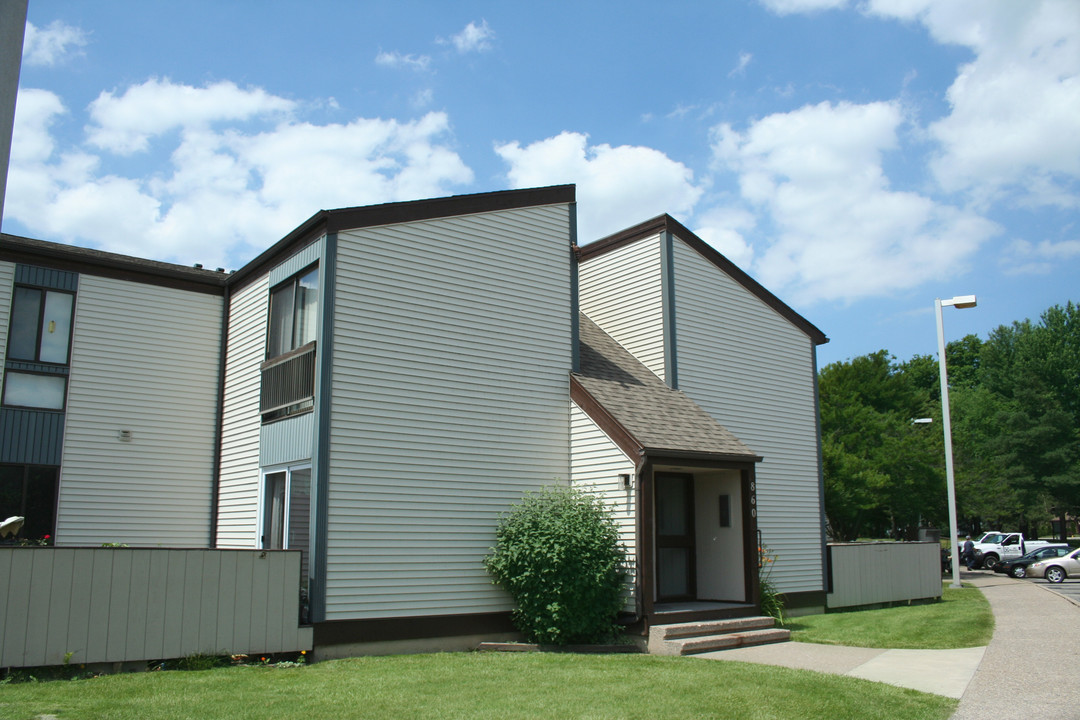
(658, 417)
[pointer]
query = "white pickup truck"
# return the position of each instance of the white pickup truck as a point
(993, 547)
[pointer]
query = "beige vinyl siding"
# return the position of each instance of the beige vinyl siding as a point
(452, 344)
(143, 358)
(753, 371)
(595, 465)
(7, 285)
(622, 292)
(238, 493)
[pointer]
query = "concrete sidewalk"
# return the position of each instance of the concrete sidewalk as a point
(1029, 669)
(1026, 672)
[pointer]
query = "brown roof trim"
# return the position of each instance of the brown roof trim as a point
(326, 222)
(59, 256)
(624, 237)
(670, 224)
(661, 455)
(605, 420)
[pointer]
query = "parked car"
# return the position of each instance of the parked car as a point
(1017, 568)
(1055, 570)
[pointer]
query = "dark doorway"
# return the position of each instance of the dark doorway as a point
(675, 559)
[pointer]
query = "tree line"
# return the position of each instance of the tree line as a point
(1015, 408)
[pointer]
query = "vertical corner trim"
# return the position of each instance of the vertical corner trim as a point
(575, 358)
(667, 285)
(320, 456)
(219, 420)
(825, 565)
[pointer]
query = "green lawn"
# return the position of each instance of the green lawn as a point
(537, 685)
(477, 685)
(961, 619)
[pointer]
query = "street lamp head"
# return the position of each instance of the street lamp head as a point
(921, 421)
(960, 301)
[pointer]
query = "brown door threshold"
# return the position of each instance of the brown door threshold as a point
(668, 614)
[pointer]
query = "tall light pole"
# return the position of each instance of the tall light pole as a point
(960, 301)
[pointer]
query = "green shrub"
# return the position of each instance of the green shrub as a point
(558, 555)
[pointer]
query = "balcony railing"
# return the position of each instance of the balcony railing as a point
(288, 380)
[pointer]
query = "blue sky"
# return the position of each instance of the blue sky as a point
(859, 158)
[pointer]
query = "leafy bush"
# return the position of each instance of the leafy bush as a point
(558, 555)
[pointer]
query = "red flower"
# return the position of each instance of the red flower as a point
(46, 537)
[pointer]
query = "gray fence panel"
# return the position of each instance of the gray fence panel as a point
(885, 572)
(90, 605)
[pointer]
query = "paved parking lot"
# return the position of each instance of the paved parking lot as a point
(1069, 589)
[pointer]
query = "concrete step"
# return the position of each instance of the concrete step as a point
(709, 627)
(699, 637)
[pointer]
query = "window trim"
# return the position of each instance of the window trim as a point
(288, 469)
(21, 371)
(294, 281)
(40, 321)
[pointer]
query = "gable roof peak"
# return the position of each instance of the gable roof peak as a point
(666, 223)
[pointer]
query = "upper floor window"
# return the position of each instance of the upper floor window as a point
(288, 374)
(40, 325)
(294, 315)
(39, 348)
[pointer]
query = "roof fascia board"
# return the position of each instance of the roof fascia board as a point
(670, 224)
(14, 248)
(605, 421)
(663, 456)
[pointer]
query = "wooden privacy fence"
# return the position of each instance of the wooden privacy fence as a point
(109, 605)
(883, 572)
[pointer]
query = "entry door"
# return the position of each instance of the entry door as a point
(675, 560)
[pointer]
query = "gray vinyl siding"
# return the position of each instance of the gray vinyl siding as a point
(753, 371)
(622, 292)
(143, 358)
(595, 465)
(452, 347)
(238, 489)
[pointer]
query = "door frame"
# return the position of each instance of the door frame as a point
(646, 527)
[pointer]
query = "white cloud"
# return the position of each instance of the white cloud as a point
(725, 228)
(616, 186)
(740, 67)
(837, 232)
(53, 44)
(36, 110)
(1011, 131)
(422, 98)
(474, 38)
(233, 182)
(397, 60)
(1026, 258)
(787, 7)
(125, 124)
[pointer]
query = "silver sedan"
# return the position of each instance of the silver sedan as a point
(1055, 570)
